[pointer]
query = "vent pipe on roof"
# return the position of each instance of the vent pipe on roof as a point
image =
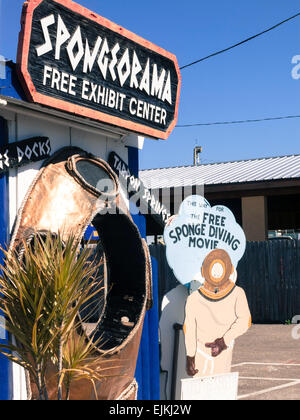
(197, 151)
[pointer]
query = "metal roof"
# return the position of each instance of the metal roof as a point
(254, 170)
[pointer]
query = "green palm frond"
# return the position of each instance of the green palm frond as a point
(42, 291)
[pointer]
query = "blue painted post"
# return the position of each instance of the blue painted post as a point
(147, 369)
(5, 365)
(153, 319)
(144, 392)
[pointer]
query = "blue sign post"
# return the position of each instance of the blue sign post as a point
(147, 368)
(5, 365)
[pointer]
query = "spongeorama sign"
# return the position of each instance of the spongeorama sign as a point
(75, 60)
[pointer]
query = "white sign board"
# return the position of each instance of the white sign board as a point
(196, 231)
(218, 387)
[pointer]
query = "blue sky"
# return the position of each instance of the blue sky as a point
(249, 82)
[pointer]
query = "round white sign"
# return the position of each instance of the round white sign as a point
(195, 232)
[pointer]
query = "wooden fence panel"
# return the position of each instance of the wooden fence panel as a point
(166, 278)
(269, 273)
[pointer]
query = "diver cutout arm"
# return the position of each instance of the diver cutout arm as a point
(190, 336)
(243, 319)
(190, 329)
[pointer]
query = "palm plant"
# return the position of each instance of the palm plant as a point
(42, 290)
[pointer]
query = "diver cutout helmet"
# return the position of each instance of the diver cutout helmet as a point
(217, 270)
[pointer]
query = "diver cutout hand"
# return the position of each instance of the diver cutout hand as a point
(217, 346)
(190, 366)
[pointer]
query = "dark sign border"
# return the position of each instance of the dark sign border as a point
(33, 95)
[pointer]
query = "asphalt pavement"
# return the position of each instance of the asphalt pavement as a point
(267, 358)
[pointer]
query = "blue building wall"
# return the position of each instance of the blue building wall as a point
(10, 85)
